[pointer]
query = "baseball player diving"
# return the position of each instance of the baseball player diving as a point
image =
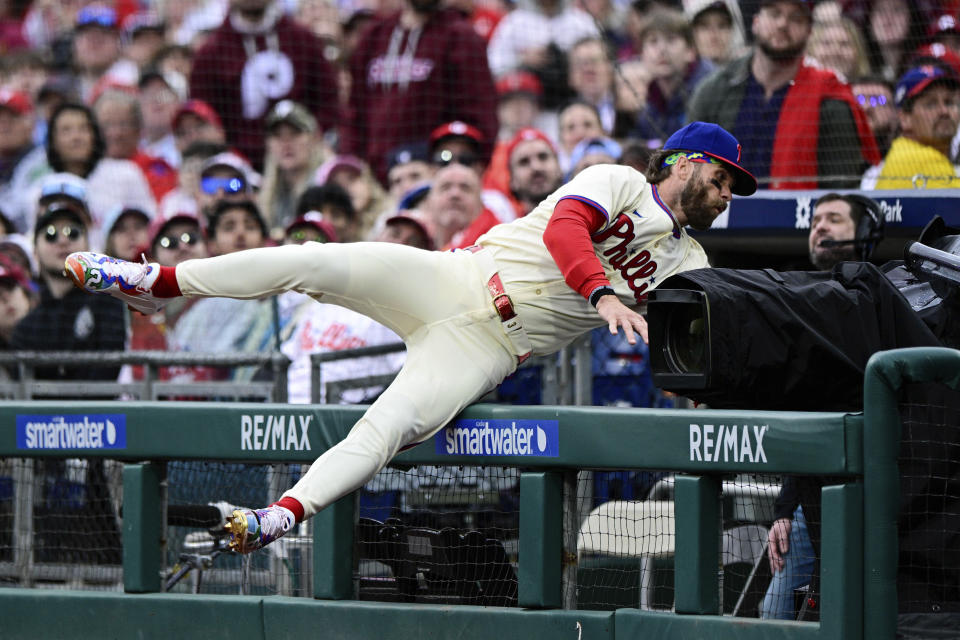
(584, 257)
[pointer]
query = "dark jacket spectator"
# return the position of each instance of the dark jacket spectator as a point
(798, 124)
(252, 62)
(406, 82)
(66, 318)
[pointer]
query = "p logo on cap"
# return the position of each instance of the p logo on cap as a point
(714, 141)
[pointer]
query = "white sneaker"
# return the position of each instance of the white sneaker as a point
(127, 281)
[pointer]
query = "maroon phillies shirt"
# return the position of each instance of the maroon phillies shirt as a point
(243, 80)
(405, 85)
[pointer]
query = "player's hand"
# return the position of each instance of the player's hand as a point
(778, 543)
(619, 315)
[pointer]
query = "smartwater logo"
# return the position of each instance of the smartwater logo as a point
(99, 431)
(539, 438)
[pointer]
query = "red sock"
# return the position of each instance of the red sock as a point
(166, 285)
(293, 504)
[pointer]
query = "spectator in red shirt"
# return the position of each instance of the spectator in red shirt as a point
(455, 209)
(411, 72)
(534, 169)
(159, 102)
(256, 58)
(118, 114)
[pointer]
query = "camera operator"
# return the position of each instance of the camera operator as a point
(843, 227)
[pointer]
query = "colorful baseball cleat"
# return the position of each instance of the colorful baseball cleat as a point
(252, 529)
(127, 281)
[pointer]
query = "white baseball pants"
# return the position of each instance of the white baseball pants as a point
(436, 302)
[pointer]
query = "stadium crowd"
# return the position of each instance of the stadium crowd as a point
(182, 128)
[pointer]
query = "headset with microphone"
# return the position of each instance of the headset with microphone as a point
(869, 231)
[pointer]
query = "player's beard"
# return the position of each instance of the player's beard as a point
(698, 206)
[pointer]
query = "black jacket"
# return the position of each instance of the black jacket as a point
(76, 322)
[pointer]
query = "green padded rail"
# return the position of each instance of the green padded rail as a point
(589, 437)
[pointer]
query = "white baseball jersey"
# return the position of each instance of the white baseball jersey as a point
(440, 304)
(640, 245)
(326, 327)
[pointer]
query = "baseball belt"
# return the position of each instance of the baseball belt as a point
(504, 306)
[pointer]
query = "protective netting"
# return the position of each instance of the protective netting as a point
(59, 523)
(928, 580)
(626, 546)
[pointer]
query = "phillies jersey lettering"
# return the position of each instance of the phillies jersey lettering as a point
(637, 268)
(639, 246)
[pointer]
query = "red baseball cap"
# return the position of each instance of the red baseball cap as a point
(15, 101)
(519, 82)
(200, 109)
(417, 219)
(316, 220)
(945, 23)
(13, 274)
(527, 135)
(453, 129)
(940, 53)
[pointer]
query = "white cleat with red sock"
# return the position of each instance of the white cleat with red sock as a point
(128, 281)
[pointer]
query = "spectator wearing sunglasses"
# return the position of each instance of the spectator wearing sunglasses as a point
(65, 321)
(59, 188)
(184, 198)
(874, 94)
(225, 176)
(171, 241)
(62, 320)
(177, 238)
(460, 143)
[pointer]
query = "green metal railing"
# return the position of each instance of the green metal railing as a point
(858, 590)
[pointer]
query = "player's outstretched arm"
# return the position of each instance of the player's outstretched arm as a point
(619, 315)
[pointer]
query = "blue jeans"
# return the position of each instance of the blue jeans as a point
(797, 569)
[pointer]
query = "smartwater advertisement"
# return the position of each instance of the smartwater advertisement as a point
(528, 438)
(77, 431)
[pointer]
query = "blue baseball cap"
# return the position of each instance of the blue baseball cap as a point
(96, 16)
(714, 141)
(916, 80)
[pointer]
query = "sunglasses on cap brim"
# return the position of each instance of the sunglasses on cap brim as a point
(211, 185)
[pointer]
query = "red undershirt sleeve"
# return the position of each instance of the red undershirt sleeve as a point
(567, 238)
